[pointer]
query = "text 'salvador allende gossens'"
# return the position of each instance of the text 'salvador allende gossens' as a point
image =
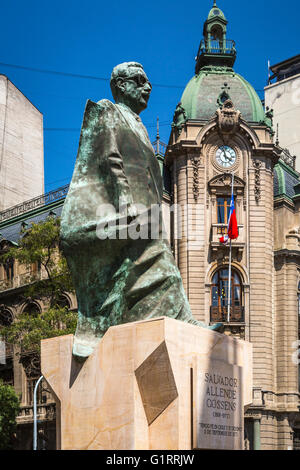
(221, 392)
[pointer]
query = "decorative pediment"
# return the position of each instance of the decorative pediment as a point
(224, 181)
(228, 119)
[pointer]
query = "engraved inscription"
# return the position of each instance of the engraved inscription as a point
(220, 413)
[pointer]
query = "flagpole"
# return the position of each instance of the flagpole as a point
(229, 286)
(229, 271)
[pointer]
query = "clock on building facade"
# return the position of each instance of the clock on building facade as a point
(225, 156)
(223, 130)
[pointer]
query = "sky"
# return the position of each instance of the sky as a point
(90, 37)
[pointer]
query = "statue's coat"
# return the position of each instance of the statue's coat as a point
(116, 281)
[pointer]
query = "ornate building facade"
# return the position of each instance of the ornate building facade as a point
(221, 131)
(16, 368)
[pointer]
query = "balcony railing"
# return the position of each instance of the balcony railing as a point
(219, 314)
(34, 203)
(45, 412)
(213, 46)
(217, 230)
(289, 159)
(159, 147)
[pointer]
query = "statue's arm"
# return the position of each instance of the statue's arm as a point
(117, 169)
(111, 154)
(99, 179)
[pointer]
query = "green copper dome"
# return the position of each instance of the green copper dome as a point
(206, 92)
(215, 80)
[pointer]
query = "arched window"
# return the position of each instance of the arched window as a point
(6, 317)
(217, 39)
(35, 267)
(9, 269)
(32, 309)
(62, 302)
(220, 298)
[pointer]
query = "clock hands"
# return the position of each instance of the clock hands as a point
(226, 156)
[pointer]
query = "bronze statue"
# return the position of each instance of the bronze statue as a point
(118, 276)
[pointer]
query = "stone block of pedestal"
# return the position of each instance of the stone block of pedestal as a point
(156, 384)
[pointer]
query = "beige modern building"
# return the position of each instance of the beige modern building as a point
(283, 97)
(21, 147)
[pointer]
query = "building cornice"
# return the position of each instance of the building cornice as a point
(286, 253)
(283, 201)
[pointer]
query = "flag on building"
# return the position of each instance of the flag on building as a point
(232, 228)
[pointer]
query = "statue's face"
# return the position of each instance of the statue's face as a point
(135, 90)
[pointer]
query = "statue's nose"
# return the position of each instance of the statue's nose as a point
(148, 86)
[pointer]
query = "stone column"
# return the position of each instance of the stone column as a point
(182, 252)
(256, 434)
(261, 269)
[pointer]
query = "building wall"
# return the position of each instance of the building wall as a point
(270, 288)
(21, 147)
(284, 98)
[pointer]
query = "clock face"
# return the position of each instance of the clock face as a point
(225, 156)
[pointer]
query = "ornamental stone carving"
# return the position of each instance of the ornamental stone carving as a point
(195, 165)
(257, 190)
(179, 118)
(228, 119)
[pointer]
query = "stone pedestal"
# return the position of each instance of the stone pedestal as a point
(156, 384)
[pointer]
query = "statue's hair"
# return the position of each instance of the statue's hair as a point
(123, 71)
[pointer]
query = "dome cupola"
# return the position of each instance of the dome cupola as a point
(215, 48)
(215, 80)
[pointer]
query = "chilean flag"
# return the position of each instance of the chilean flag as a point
(232, 228)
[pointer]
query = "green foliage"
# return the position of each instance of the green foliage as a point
(9, 409)
(28, 330)
(40, 244)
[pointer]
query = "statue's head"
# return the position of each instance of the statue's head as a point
(130, 85)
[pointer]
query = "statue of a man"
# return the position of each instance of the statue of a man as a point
(118, 278)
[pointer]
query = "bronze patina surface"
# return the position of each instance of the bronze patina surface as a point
(118, 279)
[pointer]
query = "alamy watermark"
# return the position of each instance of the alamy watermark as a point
(137, 221)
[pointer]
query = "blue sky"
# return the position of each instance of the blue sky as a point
(91, 37)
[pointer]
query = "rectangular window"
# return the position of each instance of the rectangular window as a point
(9, 269)
(223, 208)
(7, 372)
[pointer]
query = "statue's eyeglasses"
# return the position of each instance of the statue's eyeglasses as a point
(140, 80)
